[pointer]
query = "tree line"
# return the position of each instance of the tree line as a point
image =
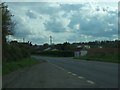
(92, 44)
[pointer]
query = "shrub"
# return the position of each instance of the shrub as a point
(25, 52)
(56, 53)
(14, 53)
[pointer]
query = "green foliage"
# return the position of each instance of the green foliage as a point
(14, 65)
(7, 29)
(15, 53)
(68, 46)
(25, 52)
(7, 22)
(56, 53)
(102, 56)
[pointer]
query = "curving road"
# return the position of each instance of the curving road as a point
(104, 75)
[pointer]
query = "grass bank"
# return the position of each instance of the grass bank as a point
(15, 65)
(113, 58)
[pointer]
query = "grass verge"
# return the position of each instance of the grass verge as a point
(15, 65)
(107, 58)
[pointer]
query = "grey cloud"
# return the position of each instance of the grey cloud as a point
(43, 8)
(38, 40)
(112, 12)
(21, 30)
(54, 26)
(30, 14)
(72, 7)
(119, 14)
(98, 9)
(52, 10)
(95, 26)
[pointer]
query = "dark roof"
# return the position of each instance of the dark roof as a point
(78, 49)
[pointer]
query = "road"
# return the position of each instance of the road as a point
(44, 75)
(104, 75)
(54, 72)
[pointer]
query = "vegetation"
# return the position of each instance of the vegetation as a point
(66, 46)
(14, 55)
(104, 54)
(106, 58)
(99, 50)
(7, 26)
(10, 52)
(15, 65)
(56, 53)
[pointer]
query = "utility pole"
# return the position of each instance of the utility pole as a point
(50, 40)
(23, 39)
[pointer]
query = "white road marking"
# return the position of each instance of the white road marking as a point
(69, 72)
(80, 77)
(58, 66)
(62, 68)
(91, 82)
(73, 74)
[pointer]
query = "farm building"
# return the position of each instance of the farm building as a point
(80, 51)
(50, 49)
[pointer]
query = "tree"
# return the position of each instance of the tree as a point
(7, 27)
(46, 45)
(66, 46)
(7, 22)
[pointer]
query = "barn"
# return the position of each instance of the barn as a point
(80, 51)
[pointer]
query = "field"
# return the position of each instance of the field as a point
(102, 54)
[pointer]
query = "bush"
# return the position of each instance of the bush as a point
(56, 53)
(25, 52)
(14, 53)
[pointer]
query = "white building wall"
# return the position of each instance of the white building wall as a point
(83, 53)
(77, 53)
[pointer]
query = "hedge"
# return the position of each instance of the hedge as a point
(56, 53)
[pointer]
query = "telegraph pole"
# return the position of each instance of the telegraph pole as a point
(50, 40)
(23, 39)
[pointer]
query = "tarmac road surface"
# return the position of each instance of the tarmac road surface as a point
(46, 75)
(103, 74)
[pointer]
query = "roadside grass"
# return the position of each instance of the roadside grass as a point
(113, 58)
(15, 65)
(55, 53)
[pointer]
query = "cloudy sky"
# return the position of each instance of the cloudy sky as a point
(64, 21)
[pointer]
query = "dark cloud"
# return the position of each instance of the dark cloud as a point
(21, 30)
(54, 26)
(95, 26)
(30, 14)
(98, 9)
(119, 14)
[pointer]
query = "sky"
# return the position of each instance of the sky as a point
(64, 21)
